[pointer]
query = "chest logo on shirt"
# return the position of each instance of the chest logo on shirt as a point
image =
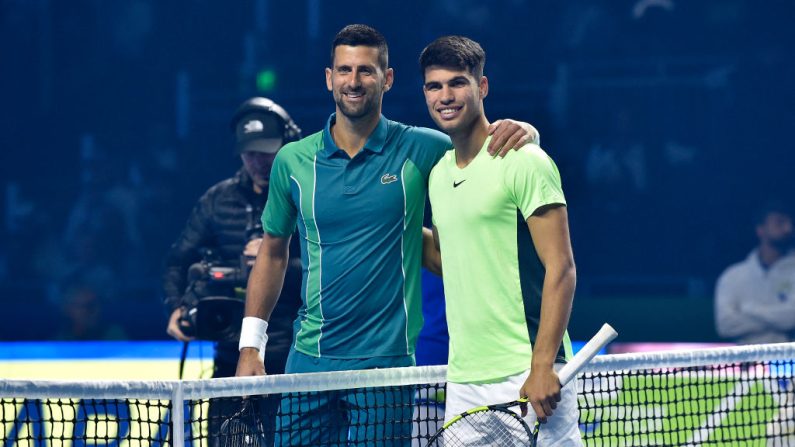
(388, 178)
(783, 291)
(455, 184)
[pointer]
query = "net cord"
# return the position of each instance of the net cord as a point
(93, 389)
(697, 357)
(336, 380)
(244, 386)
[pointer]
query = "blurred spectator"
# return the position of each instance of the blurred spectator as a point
(84, 318)
(755, 299)
(102, 245)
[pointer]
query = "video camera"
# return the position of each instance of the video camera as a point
(215, 271)
(218, 317)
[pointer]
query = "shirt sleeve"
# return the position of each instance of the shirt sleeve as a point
(430, 147)
(279, 216)
(730, 318)
(435, 172)
(778, 317)
(532, 179)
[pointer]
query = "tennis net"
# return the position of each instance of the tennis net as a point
(727, 396)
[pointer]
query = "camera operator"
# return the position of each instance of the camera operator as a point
(207, 267)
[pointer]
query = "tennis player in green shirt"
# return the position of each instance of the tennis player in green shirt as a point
(501, 227)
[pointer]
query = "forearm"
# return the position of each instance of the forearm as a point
(265, 281)
(731, 319)
(556, 302)
(777, 317)
(732, 322)
(431, 256)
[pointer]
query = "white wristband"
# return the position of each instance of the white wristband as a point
(253, 334)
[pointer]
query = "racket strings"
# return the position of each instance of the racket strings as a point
(486, 428)
(244, 428)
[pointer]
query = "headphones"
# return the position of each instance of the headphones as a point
(291, 130)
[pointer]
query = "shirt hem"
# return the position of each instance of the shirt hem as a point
(352, 356)
(493, 378)
(490, 378)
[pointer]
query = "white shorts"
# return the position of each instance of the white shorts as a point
(561, 429)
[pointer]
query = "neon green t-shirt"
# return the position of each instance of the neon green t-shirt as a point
(493, 277)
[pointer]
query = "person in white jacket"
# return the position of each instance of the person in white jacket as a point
(755, 298)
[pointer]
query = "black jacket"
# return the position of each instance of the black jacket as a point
(218, 222)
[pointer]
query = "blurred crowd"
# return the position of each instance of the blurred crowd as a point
(667, 120)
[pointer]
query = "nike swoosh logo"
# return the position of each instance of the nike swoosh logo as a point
(455, 185)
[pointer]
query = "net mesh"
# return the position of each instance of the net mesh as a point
(740, 396)
(382, 416)
(81, 422)
(745, 403)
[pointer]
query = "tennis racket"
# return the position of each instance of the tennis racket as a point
(497, 424)
(244, 428)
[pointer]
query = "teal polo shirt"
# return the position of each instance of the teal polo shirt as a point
(360, 224)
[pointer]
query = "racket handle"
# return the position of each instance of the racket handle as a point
(584, 355)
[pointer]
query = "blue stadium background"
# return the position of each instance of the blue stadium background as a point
(670, 120)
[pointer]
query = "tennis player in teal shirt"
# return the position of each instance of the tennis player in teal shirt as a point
(356, 191)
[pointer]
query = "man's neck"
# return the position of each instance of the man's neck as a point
(769, 255)
(469, 142)
(351, 135)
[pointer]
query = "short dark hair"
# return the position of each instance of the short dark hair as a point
(362, 35)
(456, 52)
(769, 207)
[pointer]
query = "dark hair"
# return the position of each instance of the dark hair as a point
(456, 52)
(768, 207)
(362, 35)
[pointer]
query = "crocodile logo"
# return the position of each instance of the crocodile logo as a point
(388, 178)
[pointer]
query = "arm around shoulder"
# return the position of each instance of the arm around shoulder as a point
(510, 135)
